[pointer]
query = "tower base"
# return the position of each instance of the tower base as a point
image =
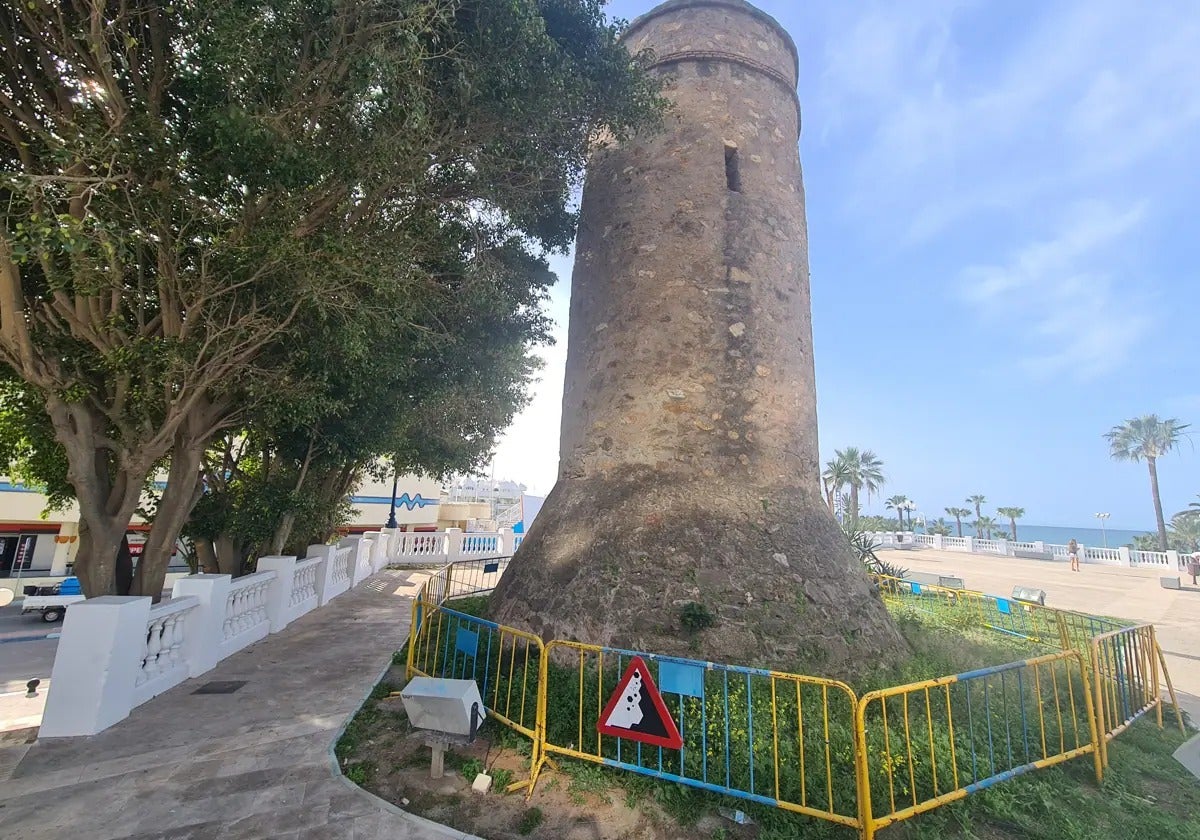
(615, 560)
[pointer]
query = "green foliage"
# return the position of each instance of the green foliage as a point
(501, 779)
(939, 528)
(859, 470)
(863, 545)
(360, 773)
(694, 616)
(321, 226)
(531, 818)
(471, 768)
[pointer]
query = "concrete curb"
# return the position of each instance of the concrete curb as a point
(432, 828)
(1189, 755)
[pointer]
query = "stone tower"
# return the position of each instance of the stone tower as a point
(688, 459)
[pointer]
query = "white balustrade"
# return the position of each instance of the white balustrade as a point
(954, 543)
(246, 618)
(1108, 556)
(986, 546)
(1149, 558)
(163, 664)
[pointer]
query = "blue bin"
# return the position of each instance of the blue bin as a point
(70, 586)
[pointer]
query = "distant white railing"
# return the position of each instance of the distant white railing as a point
(449, 546)
(1121, 556)
(1150, 558)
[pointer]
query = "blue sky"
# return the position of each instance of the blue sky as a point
(1004, 247)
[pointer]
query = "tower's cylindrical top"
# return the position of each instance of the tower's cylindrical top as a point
(732, 30)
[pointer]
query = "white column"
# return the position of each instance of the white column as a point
(1002, 547)
(1173, 560)
(389, 542)
(324, 573)
(1083, 558)
(68, 535)
(1038, 545)
(379, 552)
(207, 630)
(504, 544)
(1126, 556)
(96, 666)
(938, 542)
(362, 555)
(279, 593)
(970, 544)
(454, 544)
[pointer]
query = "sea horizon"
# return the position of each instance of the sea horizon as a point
(1061, 534)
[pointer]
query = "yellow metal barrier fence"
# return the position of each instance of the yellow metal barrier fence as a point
(808, 744)
(504, 661)
(778, 739)
(935, 741)
(1125, 669)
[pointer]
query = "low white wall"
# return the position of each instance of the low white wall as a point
(1121, 556)
(117, 653)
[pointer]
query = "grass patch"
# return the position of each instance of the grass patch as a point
(529, 821)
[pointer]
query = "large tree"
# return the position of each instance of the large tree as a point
(1147, 439)
(182, 182)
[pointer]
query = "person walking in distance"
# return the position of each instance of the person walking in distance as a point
(1073, 553)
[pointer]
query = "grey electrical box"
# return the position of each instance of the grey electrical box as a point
(450, 706)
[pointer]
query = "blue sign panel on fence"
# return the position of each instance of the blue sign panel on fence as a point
(467, 642)
(916, 588)
(681, 678)
(488, 568)
(1003, 606)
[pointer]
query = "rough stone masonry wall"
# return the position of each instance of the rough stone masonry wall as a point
(688, 461)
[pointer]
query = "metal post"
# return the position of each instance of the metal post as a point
(391, 523)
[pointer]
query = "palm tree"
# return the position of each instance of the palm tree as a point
(979, 500)
(1012, 514)
(940, 528)
(864, 471)
(958, 513)
(899, 504)
(1147, 438)
(834, 479)
(984, 526)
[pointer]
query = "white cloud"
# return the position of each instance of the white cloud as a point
(1069, 309)
(955, 125)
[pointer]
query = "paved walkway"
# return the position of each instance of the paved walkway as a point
(1133, 594)
(251, 764)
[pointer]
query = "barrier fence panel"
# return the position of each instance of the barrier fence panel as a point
(1125, 676)
(505, 662)
(768, 737)
(966, 608)
(474, 577)
(936, 741)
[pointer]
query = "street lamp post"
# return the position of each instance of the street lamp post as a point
(391, 523)
(1103, 532)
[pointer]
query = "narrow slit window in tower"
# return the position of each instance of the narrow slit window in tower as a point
(733, 176)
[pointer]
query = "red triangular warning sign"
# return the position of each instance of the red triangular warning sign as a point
(636, 711)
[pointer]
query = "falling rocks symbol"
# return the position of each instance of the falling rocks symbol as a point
(636, 710)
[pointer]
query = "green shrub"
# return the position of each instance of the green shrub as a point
(530, 820)
(694, 616)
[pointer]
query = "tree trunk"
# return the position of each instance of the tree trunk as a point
(958, 522)
(178, 498)
(1158, 511)
(206, 556)
(854, 506)
(107, 488)
(1013, 523)
(230, 558)
(283, 533)
(124, 567)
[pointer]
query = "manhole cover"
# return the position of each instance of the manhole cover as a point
(220, 687)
